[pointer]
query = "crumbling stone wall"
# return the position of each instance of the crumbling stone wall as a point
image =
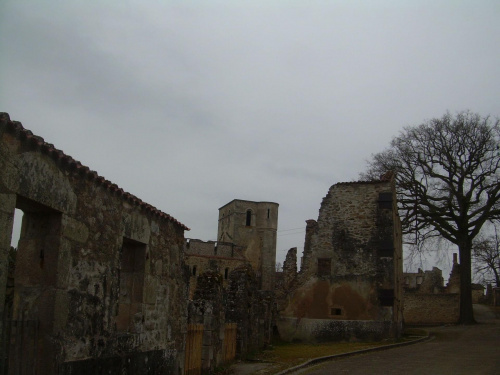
(100, 271)
(251, 309)
(286, 280)
(241, 303)
(207, 308)
(427, 301)
(351, 268)
(425, 281)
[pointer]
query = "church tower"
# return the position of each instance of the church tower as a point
(252, 225)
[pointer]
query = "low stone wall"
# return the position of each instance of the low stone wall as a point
(430, 309)
(317, 330)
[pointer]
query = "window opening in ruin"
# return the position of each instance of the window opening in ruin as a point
(11, 265)
(385, 200)
(38, 245)
(194, 270)
(268, 213)
(16, 228)
(336, 311)
(249, 218)
(324, 266)
(419, 280)
(386, 248)
(386, 297)
(132, 268)
(33, 259)
(226, 273)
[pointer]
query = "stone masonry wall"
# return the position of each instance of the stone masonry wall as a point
(251, 309)
(100, 271)
(431, 309)
(207, 308)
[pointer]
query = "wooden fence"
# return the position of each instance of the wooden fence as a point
(194, 341)
(230, 341)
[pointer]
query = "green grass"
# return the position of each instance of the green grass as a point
(286, 355)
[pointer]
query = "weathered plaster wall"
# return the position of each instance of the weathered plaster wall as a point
(96, 309)
(352, 263)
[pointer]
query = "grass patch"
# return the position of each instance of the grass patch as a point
(286, 355)
(409, 332)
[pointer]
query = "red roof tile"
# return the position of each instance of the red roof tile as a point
(74, 166)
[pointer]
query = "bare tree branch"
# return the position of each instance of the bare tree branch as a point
(448, 183)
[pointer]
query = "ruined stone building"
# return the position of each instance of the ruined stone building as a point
(219, 257)
(252, 225)
(350, 283)
(99, 283)
(425, 281)
(246, 235)
(232, 279)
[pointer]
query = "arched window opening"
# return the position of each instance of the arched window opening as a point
(194, 270)
(226, 273)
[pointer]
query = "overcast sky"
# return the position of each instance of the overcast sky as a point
(190, 104)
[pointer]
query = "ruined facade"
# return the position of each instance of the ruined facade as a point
(349, 286)
(424, 281)
(219, 257)
(99, 281)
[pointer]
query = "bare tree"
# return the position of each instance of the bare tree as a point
(486, 256)
(448, 184)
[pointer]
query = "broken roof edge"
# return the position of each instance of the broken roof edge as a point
(386, 177)
(68, 163)
(249, 201)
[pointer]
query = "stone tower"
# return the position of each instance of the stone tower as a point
(252, 225)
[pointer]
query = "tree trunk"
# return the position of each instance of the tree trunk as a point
(466, 312)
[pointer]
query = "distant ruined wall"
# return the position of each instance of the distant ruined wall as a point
(425, 281)
(453, 285)
(98, 271)
(431, 309)
(220, 257)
